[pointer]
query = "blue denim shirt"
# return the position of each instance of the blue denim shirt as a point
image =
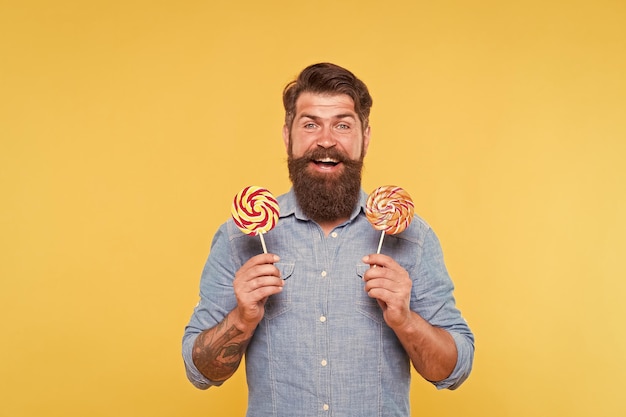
(323, 348)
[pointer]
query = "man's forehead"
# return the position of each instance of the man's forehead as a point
(325, 100)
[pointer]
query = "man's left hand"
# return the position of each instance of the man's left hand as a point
(390, 285)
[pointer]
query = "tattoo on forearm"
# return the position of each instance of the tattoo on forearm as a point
(218, 351)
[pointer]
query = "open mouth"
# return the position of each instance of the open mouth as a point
(326, 162)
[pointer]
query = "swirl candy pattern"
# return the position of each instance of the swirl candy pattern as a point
(255, 210)
(389, 209)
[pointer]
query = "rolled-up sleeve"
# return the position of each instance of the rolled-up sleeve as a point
(217, 299)
(463, 368)
(433, 299)
(194, 376)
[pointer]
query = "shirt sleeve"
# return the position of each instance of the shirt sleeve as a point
(217, 299)
(433, 299)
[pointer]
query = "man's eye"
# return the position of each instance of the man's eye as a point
(309, 125)
(343, 126)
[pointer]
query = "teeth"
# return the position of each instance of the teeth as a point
(328, 160)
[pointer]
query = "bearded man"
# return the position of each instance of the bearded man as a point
(327, 327)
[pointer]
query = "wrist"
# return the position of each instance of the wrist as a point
(409, 325)
(245, 325)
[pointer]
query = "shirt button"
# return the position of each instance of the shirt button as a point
(324, 273)
(333, 234)
(325, 407)
(323, 362)
(323, 319)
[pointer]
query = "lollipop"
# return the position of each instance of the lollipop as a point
(255, 211)
(389, 209)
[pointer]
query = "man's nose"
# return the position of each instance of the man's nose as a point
(326, 138)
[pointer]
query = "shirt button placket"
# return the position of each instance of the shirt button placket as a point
(323, 360)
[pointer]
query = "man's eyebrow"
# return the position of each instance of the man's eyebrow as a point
(336, 116)
(346, 116)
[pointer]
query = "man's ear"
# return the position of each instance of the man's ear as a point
(286, 137)
(366, 139)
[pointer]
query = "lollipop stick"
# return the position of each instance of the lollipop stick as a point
(263, 242)
(380, 242)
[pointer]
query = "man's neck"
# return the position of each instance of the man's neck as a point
(328, 226)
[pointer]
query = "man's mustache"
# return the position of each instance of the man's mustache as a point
(322, 153)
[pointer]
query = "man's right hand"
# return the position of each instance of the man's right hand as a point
(218, 351)
(256, 280)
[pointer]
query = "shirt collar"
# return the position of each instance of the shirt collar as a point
(289, 206)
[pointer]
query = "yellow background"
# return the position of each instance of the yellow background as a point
(127, 126)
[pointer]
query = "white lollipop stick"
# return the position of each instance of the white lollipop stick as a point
(380, 242)
(263, 242)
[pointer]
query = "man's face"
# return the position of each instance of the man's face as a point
(329, 122)
(326, 146)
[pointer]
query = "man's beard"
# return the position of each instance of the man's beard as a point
(326, 197)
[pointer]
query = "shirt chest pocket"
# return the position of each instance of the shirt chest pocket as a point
(280, 303)
(365, 305)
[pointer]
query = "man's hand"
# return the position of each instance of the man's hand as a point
(390, 285)
(432, 350)
(256, 280)
(218, 351)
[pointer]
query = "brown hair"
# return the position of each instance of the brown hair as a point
(326, 78)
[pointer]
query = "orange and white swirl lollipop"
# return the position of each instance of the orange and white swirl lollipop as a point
(255, 211)
(390, 209)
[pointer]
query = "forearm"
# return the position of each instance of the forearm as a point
(432, 350)
(217, 352)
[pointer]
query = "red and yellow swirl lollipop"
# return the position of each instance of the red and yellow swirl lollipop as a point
(390, 209)
(255, 211)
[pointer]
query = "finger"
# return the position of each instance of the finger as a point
(258, 266)
(260, 293)
(254, 290)
(378, 271)
(261, 276)
(262, 259)
(264, 281)
(381, 284)
(378, 259)
(387, 279)
(265, 270)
